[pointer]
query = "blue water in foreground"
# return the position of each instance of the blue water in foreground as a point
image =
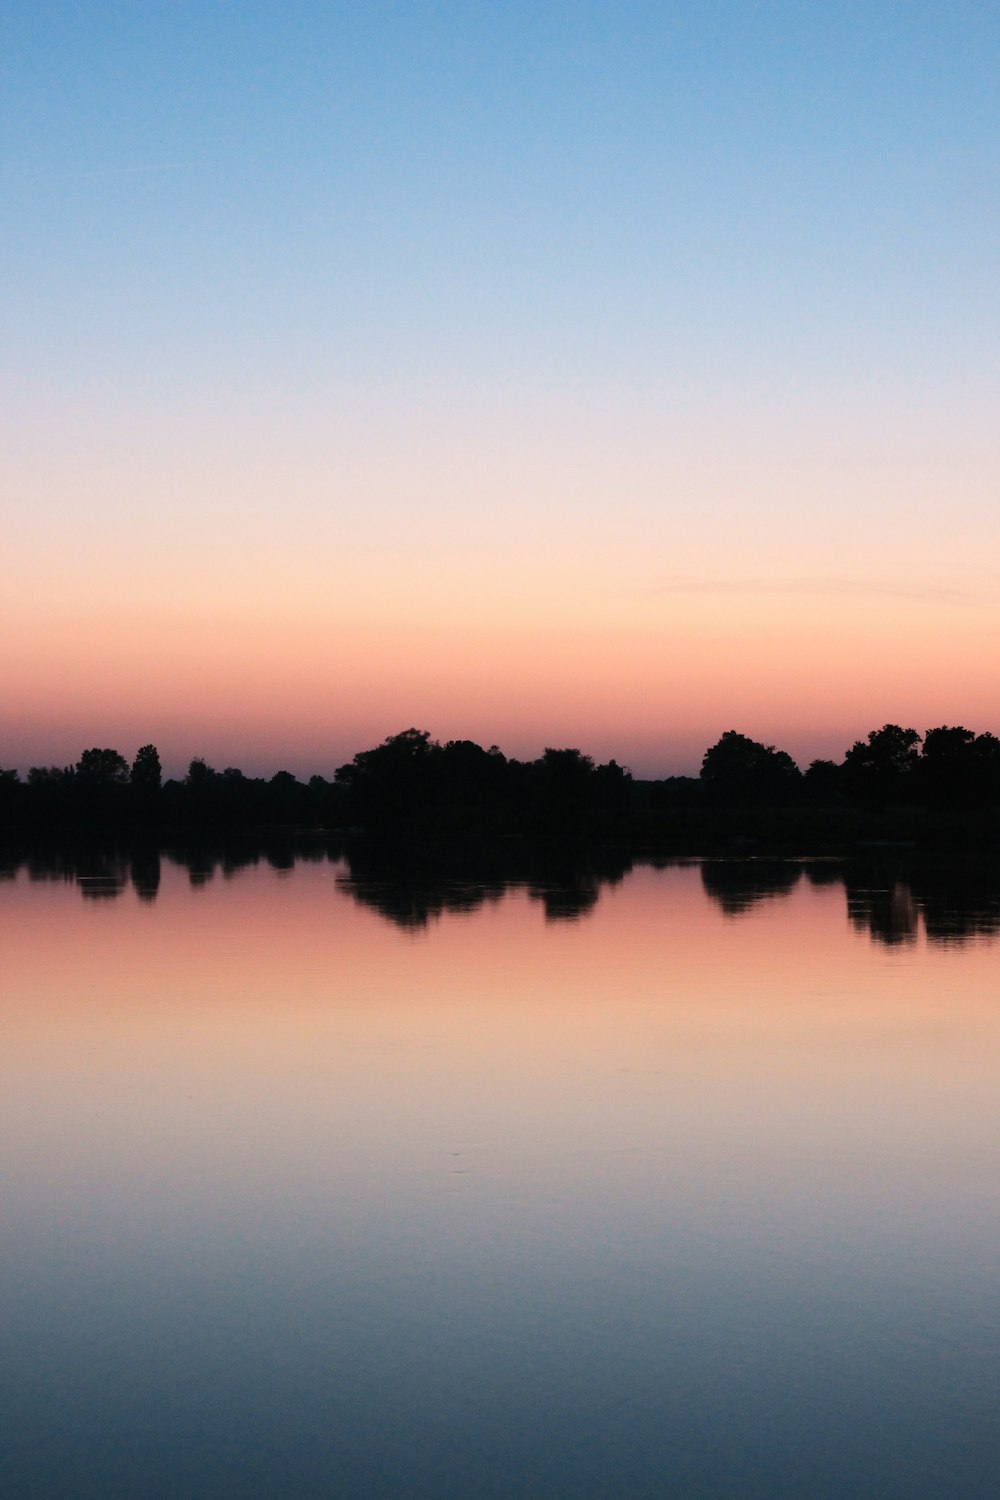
(670, 1194)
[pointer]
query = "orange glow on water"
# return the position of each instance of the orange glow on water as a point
(268, 994)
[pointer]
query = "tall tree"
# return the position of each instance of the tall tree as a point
(737, 771)
(102, 768)
(147, 773)
(881, 769)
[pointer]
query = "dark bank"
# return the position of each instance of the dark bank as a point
(939, 790)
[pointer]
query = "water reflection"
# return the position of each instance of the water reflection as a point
(894, 904)
(101, 872)
(953, 905)
(412, 887)
(651, 1181)
(145, 868)
(737, 885)
(886, 910)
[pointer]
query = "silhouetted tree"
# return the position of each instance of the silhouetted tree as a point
(880, 770)
(675, 792)
(612, 787)
(959, 769)
(947, 764)
(102, 768)
(390, 782)
(563, 790)
(465, 774)
(11, 795)
(48, 799)
(147, 773)
(414, 785)
(987, 760)
(737, 771)
(50, 775)
(287, 798)
(823, 782)
(99, 793)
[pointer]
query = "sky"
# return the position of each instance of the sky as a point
(607, 375)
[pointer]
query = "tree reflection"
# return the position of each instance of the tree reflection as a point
(145, 870)
(821, 872)
(737, 885)
(100, 872)
(568, 900)
(958, 906)
(411, 902)
(103, 877)
(413, 885)
(887, 912)
(952, 904)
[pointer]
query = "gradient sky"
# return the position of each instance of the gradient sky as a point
(545, 373)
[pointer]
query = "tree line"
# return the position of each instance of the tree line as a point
(949, 767)
(411, 782)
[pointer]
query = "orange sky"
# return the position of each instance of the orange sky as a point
(303, 670)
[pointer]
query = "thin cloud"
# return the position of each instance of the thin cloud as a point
(842, 587)
(86, 174)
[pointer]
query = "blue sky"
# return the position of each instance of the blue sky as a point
(504, 191)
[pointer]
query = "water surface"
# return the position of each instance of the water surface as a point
(321, 1182)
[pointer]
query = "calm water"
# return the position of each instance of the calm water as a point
(680, 1184)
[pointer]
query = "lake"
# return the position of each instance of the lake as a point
(325, 1180)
